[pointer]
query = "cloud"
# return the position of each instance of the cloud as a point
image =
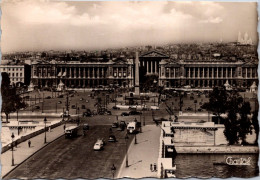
(42, 24)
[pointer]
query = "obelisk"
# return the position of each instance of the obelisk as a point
(137, 88)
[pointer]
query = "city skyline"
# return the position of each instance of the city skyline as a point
(46, 25)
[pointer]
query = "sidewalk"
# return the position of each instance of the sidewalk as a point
(141, 155)
(22, 152)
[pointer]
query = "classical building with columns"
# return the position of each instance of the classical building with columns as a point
(204, 74)
(171, 73)
(77, 74)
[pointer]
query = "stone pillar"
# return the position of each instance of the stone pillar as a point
(169, 72)
(189, 72)
(93, 74)
(79, 73)
(98, 72)
(217, 72)
(231, 73)
(198, 72)
(208, 73)
(203, 72)
(103, 73)
(88, 73)
(222, 72)
(194, 71)
(70, 73)
(84, 73)
(251, 72)
(174, 72)
(151, 66)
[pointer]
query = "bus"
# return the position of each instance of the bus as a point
(71, 131)
(131, 127)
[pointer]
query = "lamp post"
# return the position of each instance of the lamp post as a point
(45, 120)
(17, 121)
(126, 151)
(12, 136)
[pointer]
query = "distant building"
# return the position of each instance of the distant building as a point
(19, 73)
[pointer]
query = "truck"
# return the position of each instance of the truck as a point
(71, 131)
(131, 127)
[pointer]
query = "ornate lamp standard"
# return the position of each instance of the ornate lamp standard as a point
(126, 151)
(45, 121)
(12, 136)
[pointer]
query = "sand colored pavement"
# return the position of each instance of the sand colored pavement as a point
(142, 154)
(23, 152)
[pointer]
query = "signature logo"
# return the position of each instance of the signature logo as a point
(238, 161)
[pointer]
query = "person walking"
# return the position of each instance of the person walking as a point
(151, 167)
(29, 143)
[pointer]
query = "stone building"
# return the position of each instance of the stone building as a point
(75, 74)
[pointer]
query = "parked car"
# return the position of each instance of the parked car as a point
(125, 114)
(48, 97)
(83, 107)
(37, 107)
(73, 107)
(99, 145)
(108, 113)
(188, 109)
(155, 108)
(59, 102)
(122, 126)
(60, 96)
(200, 110)
(85, 126)
(135, 113)
(112, 138)
(115, 125)
(116, 108)
(81, 99)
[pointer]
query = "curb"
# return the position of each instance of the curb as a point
(31, 156)
(122, 164)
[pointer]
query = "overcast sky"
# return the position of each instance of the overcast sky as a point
(44, 25)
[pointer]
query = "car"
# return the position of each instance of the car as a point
(65, 114)
(81, 99)
(83, 107)
(200, 110)
(48, 97)
(85, 126)
(112, 138)
(125, 114)
(134, 113)
(188, 109)
(59, 102)
(37, 107)
(72, 95)
(155, 108)
(87, 101)
(73, 107)
(108, 113)
(60, 96)
(99, 145)
(115, 125)
(116, 108)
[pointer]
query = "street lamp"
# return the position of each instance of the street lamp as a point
(12, 136)
(126, 151)
(113, 170)
(45, 120)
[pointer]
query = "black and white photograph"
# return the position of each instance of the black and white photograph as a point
(129, 89)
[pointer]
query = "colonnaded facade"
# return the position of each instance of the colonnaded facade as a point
(83, 74)
(171, 73)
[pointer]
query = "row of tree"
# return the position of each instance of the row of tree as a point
(240, 121)
(11, 101)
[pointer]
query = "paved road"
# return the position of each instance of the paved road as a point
(75, 158)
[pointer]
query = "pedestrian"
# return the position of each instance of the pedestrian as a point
(64, 127)
(151, 167)
(29, 143)
(15, 143)
(155, 167)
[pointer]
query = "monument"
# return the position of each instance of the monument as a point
(137, 87)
